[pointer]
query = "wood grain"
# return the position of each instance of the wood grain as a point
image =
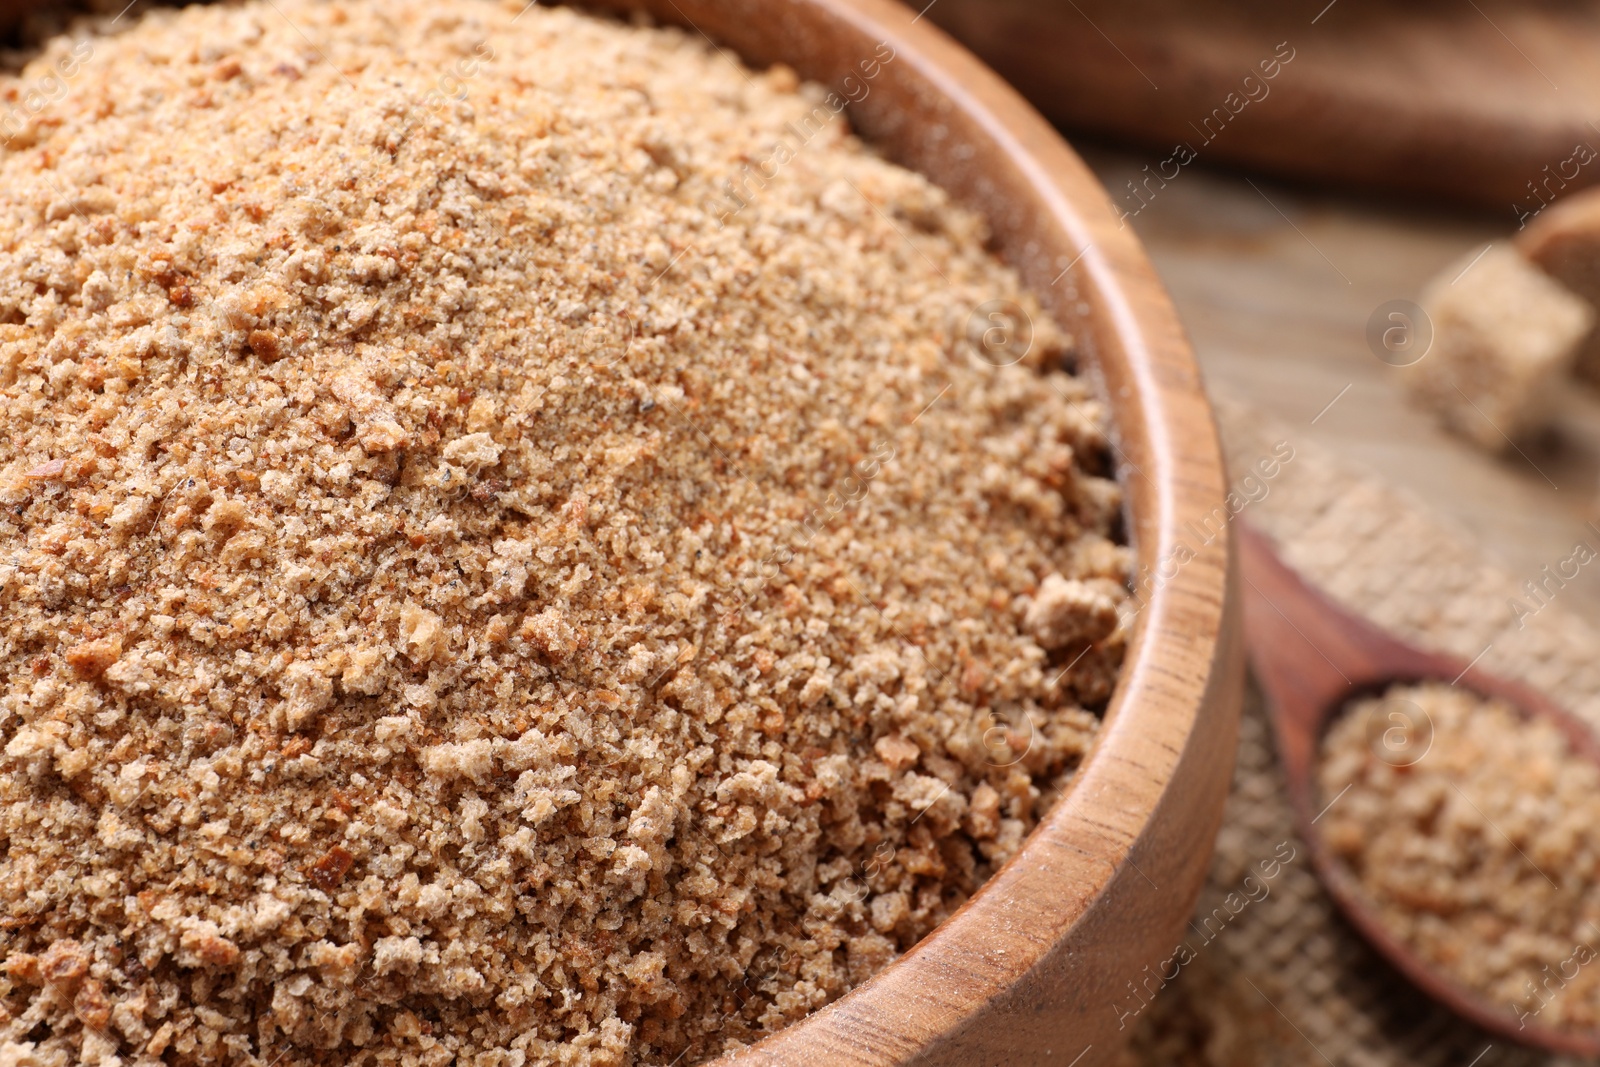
(1436, 97)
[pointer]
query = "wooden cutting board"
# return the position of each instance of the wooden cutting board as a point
(1491, 102)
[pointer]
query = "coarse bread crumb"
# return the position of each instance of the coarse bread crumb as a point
(1482, 855)
(471, 590)
(1504, 339)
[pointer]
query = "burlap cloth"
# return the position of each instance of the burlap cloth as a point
(1285, 981)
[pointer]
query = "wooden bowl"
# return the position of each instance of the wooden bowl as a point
(1039, 965)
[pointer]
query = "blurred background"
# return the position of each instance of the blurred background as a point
(1391, 140)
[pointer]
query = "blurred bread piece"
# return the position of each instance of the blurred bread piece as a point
(1564, 240)
(1504, 337)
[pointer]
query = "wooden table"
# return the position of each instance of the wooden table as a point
(1276, 286)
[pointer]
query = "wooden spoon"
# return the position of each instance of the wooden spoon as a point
(1312, 659)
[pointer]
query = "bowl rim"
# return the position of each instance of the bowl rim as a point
(1183, 665)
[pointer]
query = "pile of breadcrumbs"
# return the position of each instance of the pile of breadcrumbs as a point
(469, 595)
(1484, 855)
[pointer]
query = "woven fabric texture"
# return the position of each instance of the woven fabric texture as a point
(1276, 976)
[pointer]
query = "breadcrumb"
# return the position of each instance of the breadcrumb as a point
(467, 594)
(1483, 854)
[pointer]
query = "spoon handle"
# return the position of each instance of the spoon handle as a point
(1310, 655)
(1311, 658)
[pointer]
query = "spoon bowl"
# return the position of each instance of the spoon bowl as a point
(1313, 659)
